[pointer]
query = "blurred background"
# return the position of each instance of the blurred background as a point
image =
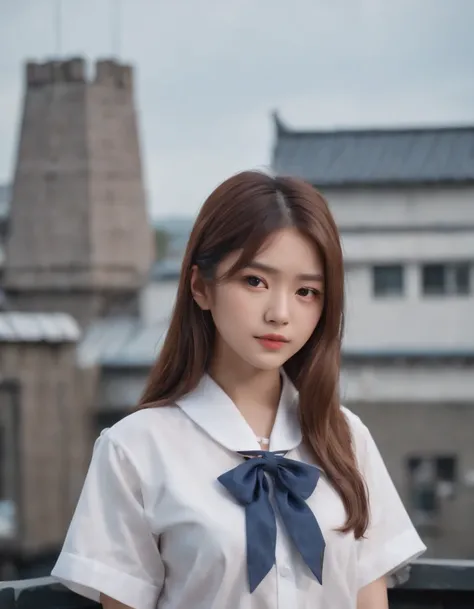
(117, 119)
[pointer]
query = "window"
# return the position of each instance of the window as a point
(431, 480)
(9, 460)
(388, 280)
(446, 279)
(461, 277)
(446, 475)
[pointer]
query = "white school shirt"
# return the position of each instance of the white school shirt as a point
(154, 528)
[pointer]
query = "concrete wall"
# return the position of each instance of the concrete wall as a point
(53, 439)
(410, 429)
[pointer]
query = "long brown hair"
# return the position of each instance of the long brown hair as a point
(240, 215)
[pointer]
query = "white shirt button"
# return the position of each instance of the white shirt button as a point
(285, 571)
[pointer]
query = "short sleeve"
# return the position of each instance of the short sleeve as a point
(391, 541)
(109, 547)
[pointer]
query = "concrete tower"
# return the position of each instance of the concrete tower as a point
(79, 238)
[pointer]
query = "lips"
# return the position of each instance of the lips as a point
(279, 338)
(272, 342)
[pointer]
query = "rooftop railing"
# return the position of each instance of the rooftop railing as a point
(431, 584)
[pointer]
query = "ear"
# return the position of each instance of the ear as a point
(199, 289)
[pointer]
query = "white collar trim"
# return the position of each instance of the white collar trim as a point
(213, 411)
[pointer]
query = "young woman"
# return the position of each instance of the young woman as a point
(241, 482)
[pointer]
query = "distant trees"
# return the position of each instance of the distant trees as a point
(162, 241)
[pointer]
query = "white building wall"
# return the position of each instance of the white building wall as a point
(405, 246)
(440, 206)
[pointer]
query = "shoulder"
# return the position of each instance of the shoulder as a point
(358, 429)
(360, 434)
(369, 459)
(141, 435)
(140, 423)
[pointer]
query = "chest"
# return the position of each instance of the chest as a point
(195, 519)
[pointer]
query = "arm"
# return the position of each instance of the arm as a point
(111, 603)
(110, 548)
(372, 596)
(390, 541)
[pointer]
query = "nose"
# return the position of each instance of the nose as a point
(277, 311)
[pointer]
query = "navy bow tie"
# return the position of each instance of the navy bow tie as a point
(294, 482)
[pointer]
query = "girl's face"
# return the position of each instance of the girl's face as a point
(268, 310)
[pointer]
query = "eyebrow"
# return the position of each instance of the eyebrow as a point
(259, 266)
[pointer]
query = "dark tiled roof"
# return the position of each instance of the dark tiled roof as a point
(375, 156)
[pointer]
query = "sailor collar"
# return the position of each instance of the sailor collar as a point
(211, 409)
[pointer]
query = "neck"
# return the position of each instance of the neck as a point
(262, 387)
(256, 393)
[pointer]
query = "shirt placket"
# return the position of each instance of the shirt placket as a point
(287, 596)
(285, 571)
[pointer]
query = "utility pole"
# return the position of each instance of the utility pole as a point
(58, 26)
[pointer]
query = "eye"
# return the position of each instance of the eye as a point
(252, 281)
(308, 292)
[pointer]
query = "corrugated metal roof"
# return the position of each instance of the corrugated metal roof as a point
(121, 341)
(375, 156)
(38, 327)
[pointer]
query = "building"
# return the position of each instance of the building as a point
(404, 202)
(44, 434)
(79, 237)
(4, 212)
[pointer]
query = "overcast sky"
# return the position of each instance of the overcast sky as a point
(210, 72)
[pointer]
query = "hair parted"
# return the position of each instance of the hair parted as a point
(241, 214)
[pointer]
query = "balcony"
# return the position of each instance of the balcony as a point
(432, 584)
